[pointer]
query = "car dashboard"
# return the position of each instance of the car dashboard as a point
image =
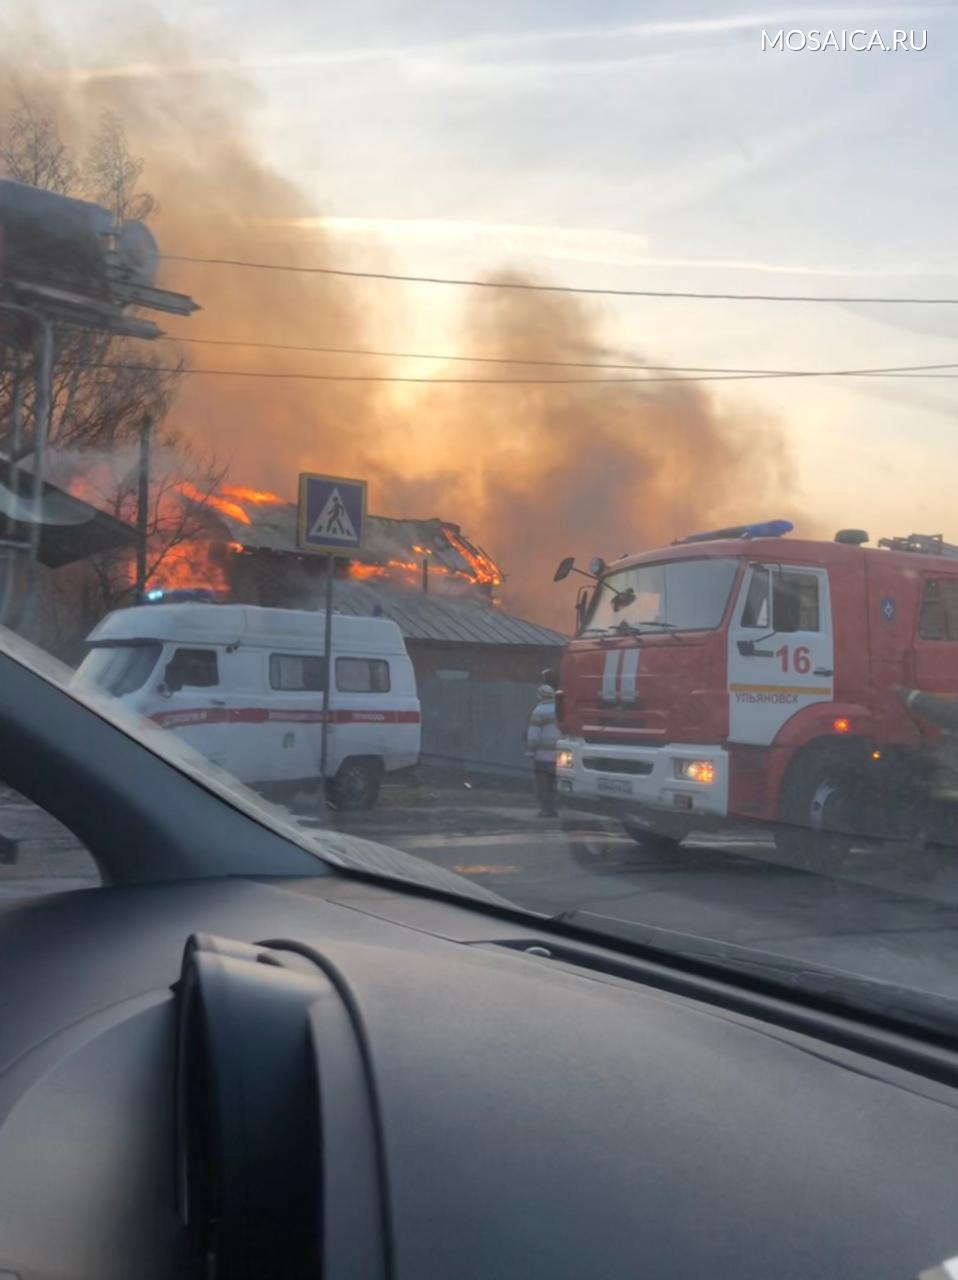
(326, 1077)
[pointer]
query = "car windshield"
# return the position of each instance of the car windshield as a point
(518, 439)
(683, 595)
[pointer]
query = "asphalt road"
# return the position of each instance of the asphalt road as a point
(885, 914)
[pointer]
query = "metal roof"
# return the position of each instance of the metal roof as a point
(445, 618)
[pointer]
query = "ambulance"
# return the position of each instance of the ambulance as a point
(743, 676)
(245, 686)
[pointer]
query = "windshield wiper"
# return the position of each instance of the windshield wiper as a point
(625, 628)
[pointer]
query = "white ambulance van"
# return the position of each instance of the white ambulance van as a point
(244, 686)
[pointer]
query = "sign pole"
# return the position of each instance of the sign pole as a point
(331, 522)
(328, 654)
(142, 508)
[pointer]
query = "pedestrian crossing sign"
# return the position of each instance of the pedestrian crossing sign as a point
(332, 513)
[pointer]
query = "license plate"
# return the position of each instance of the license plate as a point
(615, 786)
(683, 802)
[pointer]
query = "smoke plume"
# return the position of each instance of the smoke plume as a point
(532, 473)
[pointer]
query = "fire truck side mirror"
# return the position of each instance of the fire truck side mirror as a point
(565, 568)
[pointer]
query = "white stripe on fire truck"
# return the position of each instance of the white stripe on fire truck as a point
(630, 665)
(609, 674)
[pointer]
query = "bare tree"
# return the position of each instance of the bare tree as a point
(33, 152)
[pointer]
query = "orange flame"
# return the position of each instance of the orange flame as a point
(484, 568)
(231, 509)
(261, 497)
(191, 564)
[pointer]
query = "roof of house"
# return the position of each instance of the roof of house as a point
(444, 618)
(274, 528)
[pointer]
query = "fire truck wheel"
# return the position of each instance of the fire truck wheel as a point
(826, 808)
(356, 784)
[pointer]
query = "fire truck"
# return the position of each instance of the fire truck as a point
(742, 675)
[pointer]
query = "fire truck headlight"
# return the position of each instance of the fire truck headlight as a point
(695, 770)
(565, 760)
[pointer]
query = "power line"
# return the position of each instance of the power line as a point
(435, 355)
(506, 382)
(526, 286)
(550, 364)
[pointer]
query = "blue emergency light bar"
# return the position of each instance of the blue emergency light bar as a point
(761, 529)
(179, 595)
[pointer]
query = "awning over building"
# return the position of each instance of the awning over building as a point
(70, 529)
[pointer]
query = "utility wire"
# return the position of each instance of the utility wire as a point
(557, 288)
(434, 355)
(505, 382)
(550, 364)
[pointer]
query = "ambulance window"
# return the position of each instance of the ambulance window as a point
(795, 602)
(120, 668)
(300, 672)
(939, 610)
(192, 669)
(362, 675)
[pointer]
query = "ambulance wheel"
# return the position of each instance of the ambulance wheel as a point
(826, 808)
(356, 785)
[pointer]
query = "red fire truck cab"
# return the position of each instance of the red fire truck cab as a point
(740, 676)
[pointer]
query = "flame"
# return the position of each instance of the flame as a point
(191, 564)
(410, 572)
(484, 568)
(365, 572)
(260, 497)
(231, 509)
(235, 546)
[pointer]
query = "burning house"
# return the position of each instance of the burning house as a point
(477, 666)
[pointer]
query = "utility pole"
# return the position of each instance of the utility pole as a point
(143, 506)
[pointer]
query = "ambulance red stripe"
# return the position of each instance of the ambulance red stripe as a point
(189, 717)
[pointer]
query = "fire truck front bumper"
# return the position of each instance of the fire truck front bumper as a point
(681, 778)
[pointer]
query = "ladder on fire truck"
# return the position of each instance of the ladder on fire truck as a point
(929, 544)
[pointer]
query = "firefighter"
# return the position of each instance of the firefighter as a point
(541, 738)
(943, 713)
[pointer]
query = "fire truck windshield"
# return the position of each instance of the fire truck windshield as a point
(681, 595)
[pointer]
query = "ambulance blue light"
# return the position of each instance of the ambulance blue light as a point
(180, 595)
(761, 529)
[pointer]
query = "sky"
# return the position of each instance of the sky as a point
(647, 146)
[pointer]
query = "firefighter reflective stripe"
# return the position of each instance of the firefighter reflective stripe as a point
(609, 675)
(630, 665)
